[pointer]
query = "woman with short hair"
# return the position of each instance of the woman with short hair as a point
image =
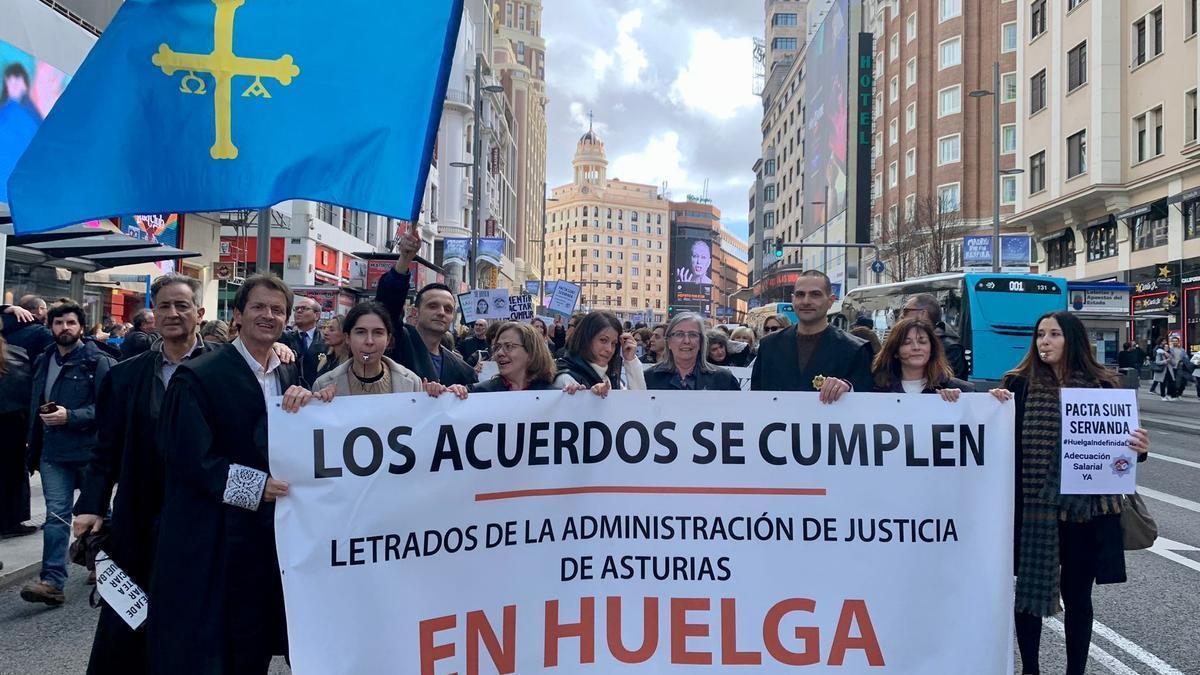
(775, 323)
(684, 365)
(912, 361)
(1063, 543)
(337, 351)
(524, 360)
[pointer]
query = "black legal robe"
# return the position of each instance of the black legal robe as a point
(127, 453)
(216, 595)
(838, 354)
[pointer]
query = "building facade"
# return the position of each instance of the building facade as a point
(611, 237)
(731, 273)
(728, 269)
(932, 143)
(519, 59)
(1108, 140)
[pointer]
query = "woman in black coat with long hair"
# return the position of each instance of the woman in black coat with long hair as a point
(598, 353)
(1075, 538)
(912, 361)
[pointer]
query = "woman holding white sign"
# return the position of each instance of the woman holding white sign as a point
(912, 361)
(1073, 537)
(684, 365)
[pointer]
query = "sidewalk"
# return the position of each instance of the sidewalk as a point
(1181, 415)
(22, 555)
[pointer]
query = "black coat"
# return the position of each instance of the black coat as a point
(469, 348)
(216, 598)
(496, 383)
(661, 377)
(136, 342)
(838, 354)
(307, 361)
(15, 390)
(33, 337)
(127, 412)
(408, 349)
(583, 372)
(897, 387)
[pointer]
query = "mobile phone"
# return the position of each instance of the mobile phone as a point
(48, 408)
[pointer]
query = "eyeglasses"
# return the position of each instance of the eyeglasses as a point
(506, 347)
(771, 329)
(685, 335)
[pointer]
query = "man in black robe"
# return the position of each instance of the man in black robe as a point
(216, 601)
(419, 348)
(128, 407)
(813, 355)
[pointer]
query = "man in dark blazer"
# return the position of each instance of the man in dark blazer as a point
(216, 595)
(813, 355)
(306, 339)
(419, 348)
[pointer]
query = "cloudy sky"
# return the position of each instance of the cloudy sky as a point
(670, 84)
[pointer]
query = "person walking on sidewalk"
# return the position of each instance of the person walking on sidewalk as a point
(1164, 374)
(62, 437)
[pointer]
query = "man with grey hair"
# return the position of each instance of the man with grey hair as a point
(305, 339)
(25, 325)
(925, 307)
(143, 336)
(127, 453)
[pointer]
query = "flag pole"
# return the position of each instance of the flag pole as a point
(262, 261)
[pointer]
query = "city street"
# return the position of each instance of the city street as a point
(1147, 626)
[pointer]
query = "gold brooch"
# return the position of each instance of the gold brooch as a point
(818, 382)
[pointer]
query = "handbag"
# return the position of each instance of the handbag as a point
(1138, 529)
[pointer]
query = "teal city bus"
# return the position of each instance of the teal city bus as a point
(991, 314)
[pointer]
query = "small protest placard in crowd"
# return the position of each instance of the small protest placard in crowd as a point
(484, 303)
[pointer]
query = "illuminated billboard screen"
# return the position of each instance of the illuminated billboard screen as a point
(30, 87)
(826, 138)
(691, 269)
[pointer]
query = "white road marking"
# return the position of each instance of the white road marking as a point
(1134, 650)
(1112, 663)
(1169, 499)
(1174, 460)
(1167, 549)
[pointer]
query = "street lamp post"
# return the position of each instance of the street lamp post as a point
(477, 166)
(997, 172)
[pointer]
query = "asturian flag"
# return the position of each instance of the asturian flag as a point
(213, 105)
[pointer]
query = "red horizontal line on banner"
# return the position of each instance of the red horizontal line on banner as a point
(648, 490)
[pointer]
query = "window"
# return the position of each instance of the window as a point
(1077, 67)
(1148, 231)
(893, 174)
(1037, 173)
(893, 214)
(1037, 18)
(910, 163)
(950, 53)
(1060, 251)
(1008, 139)
(949, 9)
(783, 20)
(1102, 241)
(1037, 92)
(1076, 153)
(1147, 36)
(1148, 135)
(893, 132)
(1008, 37)
(1072, 4)
(894, 89)
(769, 193)
(910, 73)
(1189, 117)
(950, 101)
(949, 149)
(1008, 88)
(910, 207)
(910, 27)
(948, 198)
(325, 211)
(910, 117)
(1191, 219)
(784, 43)
(894, 47)
(1008, 190)
(1191, 17)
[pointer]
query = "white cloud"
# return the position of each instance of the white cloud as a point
(717, 79)
(579, 115)
(660, 160)
(629, 52)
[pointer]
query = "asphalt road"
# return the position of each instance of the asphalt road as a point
(1148, 626)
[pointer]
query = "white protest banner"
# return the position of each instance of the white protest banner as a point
(648, 532)
(520, 308)
(1096, 457)
(484, 303)
(566, 295)
(120, 592)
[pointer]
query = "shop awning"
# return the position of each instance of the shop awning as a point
(72, 232)
(1185, 196)
(84, 247)
(1156, 210)
(154, 253)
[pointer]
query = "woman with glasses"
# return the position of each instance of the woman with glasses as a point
(774, 324)
(524, 362)
(684, 366)
(598, 353)
(912, 362)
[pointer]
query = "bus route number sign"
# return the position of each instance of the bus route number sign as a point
(1002, 285)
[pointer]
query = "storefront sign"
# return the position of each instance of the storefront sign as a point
(977, 254)
(1113, 301)
(1153, 304)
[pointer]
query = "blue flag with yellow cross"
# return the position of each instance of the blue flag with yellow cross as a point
(214, 105)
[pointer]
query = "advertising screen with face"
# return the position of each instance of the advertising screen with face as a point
(691, 270)
(30, 87)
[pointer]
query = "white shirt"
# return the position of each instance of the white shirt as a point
(913, 386)
(267, 380)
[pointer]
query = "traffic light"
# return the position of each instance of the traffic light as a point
(778, 247)
(670, 311)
